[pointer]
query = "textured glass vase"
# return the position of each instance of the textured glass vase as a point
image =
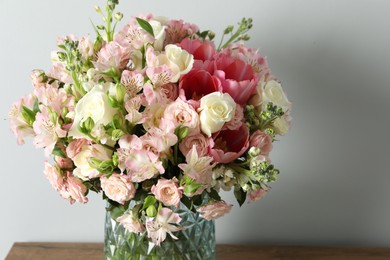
(197, 241)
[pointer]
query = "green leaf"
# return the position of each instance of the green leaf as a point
(214, 195)
(203, 34)
(191, 188)
(145, 25)
(116, 212)
(106, 167)
(28, 115)
(240, 196)
(36, 106)
(58, 152)
(117, 134)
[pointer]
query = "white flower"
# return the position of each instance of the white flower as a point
(95, 105)
(215, 110)
(159, 34)
(83, 169)
(273, 92)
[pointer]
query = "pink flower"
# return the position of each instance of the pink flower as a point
(258, 194)
(54, 176)
(262, 141)
(18, 124)
(198, 140)
(46, 131)
(178, 30)
(214, 210)
(237, 78)
(75, 147)
(83, 169)
(165, 222)
(118, 188)
(198, 168)
(76, 189)
(237, 120)
(112, 55)
(181, 113)
(38, 79)
(230, 144)
(131, 222)
(252, 57)
(168, 192)
(85, 47)
(161, 138)
(159, 75)
(198, 83)
(133, 82)
(63, 163)
(132, 36)
(202, 50)
(55, 98)
(140, 163)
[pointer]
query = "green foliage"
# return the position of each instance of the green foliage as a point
(145, 25)
(240, 195)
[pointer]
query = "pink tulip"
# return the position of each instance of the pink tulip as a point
(230, 144)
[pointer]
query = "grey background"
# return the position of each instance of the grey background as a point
(333, 60)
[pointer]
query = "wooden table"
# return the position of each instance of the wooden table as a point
(86, 251)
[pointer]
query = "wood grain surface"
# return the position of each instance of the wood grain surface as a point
(86, 251)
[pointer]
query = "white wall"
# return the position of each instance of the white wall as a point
(333, 58)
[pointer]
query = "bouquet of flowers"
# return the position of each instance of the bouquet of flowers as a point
(156, 114)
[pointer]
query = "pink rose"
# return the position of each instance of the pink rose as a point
(181, 113)
(255, 195)
(262, 141)
(54, 176)
(237, 78)
(201, 143)
(230, 144)
(118, 188)
(214, 210)
(167, 191)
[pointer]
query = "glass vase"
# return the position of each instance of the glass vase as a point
(197, 241)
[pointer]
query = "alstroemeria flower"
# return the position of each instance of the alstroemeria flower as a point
(214, 210)
(131, 223)
(46, 131)
(165, 222)
(18, 124)
(230, 144)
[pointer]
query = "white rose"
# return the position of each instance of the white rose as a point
(83, 169)
(179, 61)
(215, 110)
(273, 92)
(95, 105)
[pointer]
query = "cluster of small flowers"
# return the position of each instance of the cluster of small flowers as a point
(159, 116)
